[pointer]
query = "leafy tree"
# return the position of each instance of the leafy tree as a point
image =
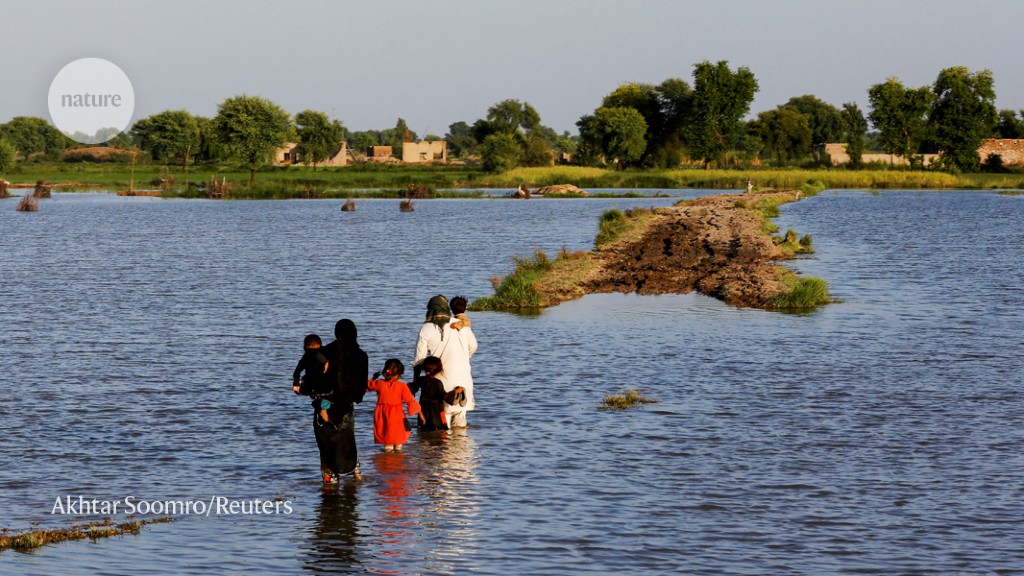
(962, 114)
(666, 109)
(252, 128)
(855, 131)
(30, 135)
(396, 136)
(172, 134)
(616, 133)
(537, 150)
(721, 98)
(510, 115)
(825, 121)
(210, 148)
(8, 156)
(319, 136)
(1009, 126)
(898, 114)
(500, 152)
(786, 132)
(362, 140)
(460, 139)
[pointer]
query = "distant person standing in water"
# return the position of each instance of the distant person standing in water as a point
(453, 341)
(750, 185)
(347, 374)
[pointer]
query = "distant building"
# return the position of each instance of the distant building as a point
(425, 152)
(837, 154)
(291, 154)
(378, 153)
(1011, 150)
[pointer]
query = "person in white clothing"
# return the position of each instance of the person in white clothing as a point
(454, 346)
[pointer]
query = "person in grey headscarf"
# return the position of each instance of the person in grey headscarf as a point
(454, 347)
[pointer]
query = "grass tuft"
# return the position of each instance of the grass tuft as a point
(613, 223)
(627, 399)
(801, 294)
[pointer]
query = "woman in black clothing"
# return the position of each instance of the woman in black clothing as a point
(347, 373)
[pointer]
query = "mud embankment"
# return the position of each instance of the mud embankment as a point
(716, 245)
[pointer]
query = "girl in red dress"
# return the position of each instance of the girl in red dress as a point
(390, 427)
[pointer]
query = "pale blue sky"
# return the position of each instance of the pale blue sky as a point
(433, 63)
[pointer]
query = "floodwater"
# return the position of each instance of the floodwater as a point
(146, 350)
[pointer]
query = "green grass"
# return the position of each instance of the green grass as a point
(517, 289)
(627, 399)
(116, 176)
(802, 293)
(613, 223)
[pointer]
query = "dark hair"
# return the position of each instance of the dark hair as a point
(394, 366)
(458, 304)
(432, 364)
(311, 339)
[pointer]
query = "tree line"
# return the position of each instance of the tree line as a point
(636, 125)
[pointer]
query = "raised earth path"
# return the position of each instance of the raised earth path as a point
(717, 245)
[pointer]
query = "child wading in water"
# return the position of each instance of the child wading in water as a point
(390, 427)
(313, 382)
(432, 415)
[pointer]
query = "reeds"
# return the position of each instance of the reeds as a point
(28, 203)
(627, 399)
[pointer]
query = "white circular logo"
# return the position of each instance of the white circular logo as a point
(91, 100)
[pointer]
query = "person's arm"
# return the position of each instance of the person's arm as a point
(413, 407)
(470, 339)
(424, 343)
(296, 378)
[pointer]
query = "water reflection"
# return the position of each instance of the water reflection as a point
(335, 534)
(451, 487)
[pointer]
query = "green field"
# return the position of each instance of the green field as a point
(394, 180)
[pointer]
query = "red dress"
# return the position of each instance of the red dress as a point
(388, 418)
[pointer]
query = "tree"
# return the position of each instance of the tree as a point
(252, 128)
(8, 156)
(172, 134)
(786, 132)
(510, 115)
(319, 137)
(855, 132)
(666, 109)
(720, 100)
(500, 152)
(616, 133)
(537, 150)
(1009, 126)
(30, 135)
(363, 140)
(962, 114)
(460, 139)
(210, 148)
(898, 113)
(824, 119)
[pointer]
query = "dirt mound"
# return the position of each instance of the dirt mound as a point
(715, 245)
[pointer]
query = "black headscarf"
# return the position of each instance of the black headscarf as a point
(438, 312)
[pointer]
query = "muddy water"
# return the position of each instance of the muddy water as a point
(148, 347)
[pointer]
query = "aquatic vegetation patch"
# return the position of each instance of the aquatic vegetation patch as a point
(28, 541)
(613, 223)
(627, 399)
(539, 281)
(801, 293)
